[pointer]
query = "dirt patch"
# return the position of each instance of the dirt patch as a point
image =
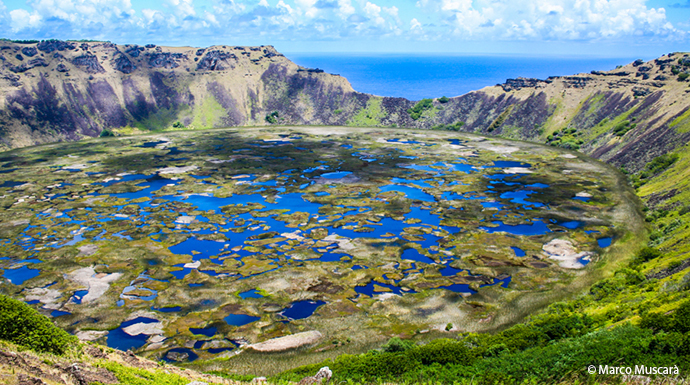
(177, 170)
(144, 328)
(87, 250)
(288, 342)
(96, 285)
(91, 335)
(326, 287)
(565, 253)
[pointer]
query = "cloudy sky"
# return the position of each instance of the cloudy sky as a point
(539, 27)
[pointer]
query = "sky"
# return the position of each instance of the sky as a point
(604, 28)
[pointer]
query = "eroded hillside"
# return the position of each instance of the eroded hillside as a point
(55, 91)
(64, 91)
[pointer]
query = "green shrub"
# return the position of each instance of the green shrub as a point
(272, 118)
(678, 322)
(622, 128)
(570, 144)
(106, 134)
(178, 124)
(22, 325)
(419, 108)
(647, 253)
(443, 351)
(683, 76)
(681, 318)
(443, 99)
(396, 344)
(661, 163)
(450, 127)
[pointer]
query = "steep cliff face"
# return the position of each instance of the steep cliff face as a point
(625, 117)
(54, 91)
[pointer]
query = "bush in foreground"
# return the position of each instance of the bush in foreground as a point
(22, 325)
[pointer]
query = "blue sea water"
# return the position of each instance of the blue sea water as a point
(417, 76)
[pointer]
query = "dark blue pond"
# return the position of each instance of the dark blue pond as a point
(58, 313)
(518, 251)
(208, 332)
(458, 288)
(509, 163)
(414, 255)
(240, 319)
(336, 175)
(604, 242)
(152, 144)
(168, 309)
(450, 271)
(251, 294)
(369, 288)
(118, 339)
(10, 183)
(571, 224)
(520, 197)
(397, 140)
(301, 309)
(418, 183)
(583, 199)
(20, 275)
(205, 247)
(332, 257)
(497, 205)
(534, 228)
(78, 295)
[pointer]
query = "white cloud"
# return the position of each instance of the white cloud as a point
(549, 19)
(21, 19)
(415, 25)
(345, 8)
(182, 8)
(194, 22)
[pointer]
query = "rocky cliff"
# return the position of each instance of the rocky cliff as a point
(55, 90)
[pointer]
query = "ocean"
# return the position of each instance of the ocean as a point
(429, 76)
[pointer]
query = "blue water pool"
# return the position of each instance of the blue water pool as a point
(118, 339)
(518, 251)
(251, 294)
(604, 242)
(301, 309)
(208, 332)
(240, 319)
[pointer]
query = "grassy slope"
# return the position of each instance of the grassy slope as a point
(96, 364)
